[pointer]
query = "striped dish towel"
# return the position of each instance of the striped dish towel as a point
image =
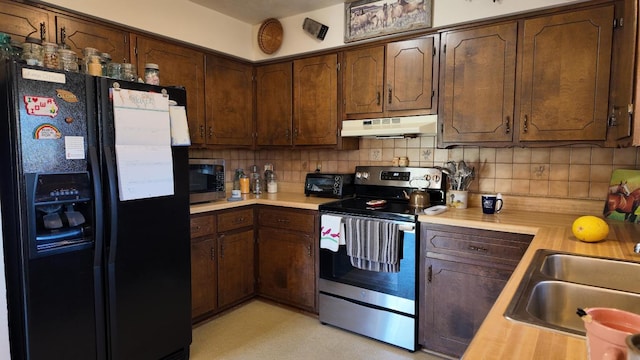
(373, 245)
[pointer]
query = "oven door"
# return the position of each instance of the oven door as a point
(339, 277)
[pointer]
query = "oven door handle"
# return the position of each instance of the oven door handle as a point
(407, 227)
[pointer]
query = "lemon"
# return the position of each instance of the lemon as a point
(590, 228)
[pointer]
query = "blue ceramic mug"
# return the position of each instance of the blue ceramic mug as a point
(492, 204)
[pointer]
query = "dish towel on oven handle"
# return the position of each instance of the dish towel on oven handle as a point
(373, 245)
(331, 232)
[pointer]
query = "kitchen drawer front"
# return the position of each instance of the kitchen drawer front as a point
(294, 220)
(474, 244)
(235, 219)
(202, 225)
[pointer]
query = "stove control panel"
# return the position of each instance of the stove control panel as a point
(410, 177)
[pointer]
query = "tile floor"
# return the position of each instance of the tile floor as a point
(266, 331)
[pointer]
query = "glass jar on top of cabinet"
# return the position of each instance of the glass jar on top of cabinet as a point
(152, 74)
(86, 58)
(32, 51)
(68, 60)
(129, 72)
(6, 52)
(50, 55)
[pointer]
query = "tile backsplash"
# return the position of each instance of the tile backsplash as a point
(575, 172)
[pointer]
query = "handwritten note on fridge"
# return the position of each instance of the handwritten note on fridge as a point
(143, 144)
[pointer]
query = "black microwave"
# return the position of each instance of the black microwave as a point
(329, 185)
(206, 180)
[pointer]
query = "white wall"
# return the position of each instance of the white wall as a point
(190, 22)
(445, 12)
(177, 19)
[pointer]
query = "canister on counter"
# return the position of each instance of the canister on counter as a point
(152, 74)
(244, 184)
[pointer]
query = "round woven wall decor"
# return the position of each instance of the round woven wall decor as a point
(270, 36)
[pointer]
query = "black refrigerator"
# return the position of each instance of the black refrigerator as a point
(90, 274)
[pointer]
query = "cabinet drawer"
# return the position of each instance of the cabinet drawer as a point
(481, 245)
(287, 219)
(235, 219)
(202, 225)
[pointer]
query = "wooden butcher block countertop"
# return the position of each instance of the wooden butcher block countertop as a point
(500, 338)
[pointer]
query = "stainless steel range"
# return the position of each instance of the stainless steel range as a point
(368, 268)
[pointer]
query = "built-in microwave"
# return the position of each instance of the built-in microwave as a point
(206, 180)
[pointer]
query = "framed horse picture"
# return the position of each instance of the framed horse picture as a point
(371, 18)
(623, 198)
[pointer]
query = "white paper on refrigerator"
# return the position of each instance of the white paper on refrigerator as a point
(143, 144)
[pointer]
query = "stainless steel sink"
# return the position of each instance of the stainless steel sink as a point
(613, 274)
(555, 284)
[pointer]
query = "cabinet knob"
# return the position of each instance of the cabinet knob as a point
(210, 131)
(378, 97)
(202, 131)
(525, 126)
(212, 253)
(390, 94)
(507, 124)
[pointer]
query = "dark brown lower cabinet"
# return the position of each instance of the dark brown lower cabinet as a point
(222, 260)
(462, 272)
(204, 267)
(287, 250)
(236, 269)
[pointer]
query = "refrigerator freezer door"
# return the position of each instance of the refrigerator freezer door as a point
(53, 289)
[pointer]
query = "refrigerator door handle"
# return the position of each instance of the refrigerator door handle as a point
(110, 166)
(100, 308)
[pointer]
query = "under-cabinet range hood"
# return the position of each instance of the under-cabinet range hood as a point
(409, 126)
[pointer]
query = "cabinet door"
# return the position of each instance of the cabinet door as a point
(410, 74)
(79, 34)
(229, 89)
(565, 76)
(478, 79)
(274, 99)
(21, 21)
(203, 276)
(286, 267)
(457, 297)
(315, 89)
(363, 80)
(236, 269)
(179, 66)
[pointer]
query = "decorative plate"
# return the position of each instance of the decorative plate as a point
(270, 36)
